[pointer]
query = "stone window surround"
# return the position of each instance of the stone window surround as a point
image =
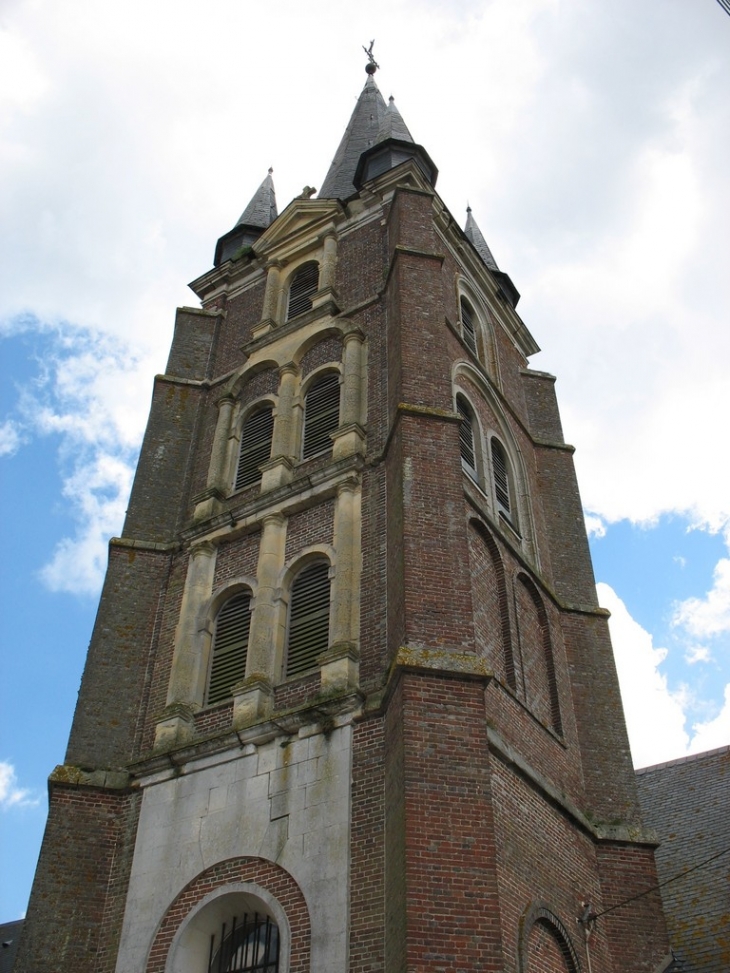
(288, 409)
(253, 698)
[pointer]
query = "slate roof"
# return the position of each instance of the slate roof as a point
(9, 940)
(392, 125)
(362, 131)
(474, 235)
(688, 803)
(261, 211)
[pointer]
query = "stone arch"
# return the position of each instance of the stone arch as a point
(234, 883)
(491, 608)
(536, 653)
(486, 344)
(544, 943)
(322, 348)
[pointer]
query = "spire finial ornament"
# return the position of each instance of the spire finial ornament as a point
(372, 66)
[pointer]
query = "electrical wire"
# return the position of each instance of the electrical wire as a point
(661, 884)
(725, 4)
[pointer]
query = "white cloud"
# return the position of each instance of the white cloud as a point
(10, 794)
(715, 732)
(655, 717)
(90, 396)
(595, 527)
(11, 437)
(709, 616)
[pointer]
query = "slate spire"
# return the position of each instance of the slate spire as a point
(474, 236)
(360, 134)
(507, 289)
(258, 215)
(261, 211)
(392, 125)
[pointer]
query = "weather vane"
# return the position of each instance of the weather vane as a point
(372, 65)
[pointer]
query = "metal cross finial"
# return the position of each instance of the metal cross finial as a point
(372, 64)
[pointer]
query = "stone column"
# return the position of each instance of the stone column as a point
(329, 262)
(252, 699)
(339, 664)
(326, 296)
(278, 470)
(187, 679)
(271, 300)
(207, 503)
(350, 437)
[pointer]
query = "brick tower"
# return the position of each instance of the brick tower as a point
(350, 702)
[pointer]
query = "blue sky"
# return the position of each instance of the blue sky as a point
(590, 140)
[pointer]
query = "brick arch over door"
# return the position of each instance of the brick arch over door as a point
(545, 945)
(258, 871)
(491, 610)
(536, 653)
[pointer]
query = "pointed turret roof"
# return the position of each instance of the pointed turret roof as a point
(507, 289)
(474, 235)
(392, 125)
(361, 132)
(258, 215)
(261, 211)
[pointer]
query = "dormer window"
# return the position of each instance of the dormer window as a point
(304, 284)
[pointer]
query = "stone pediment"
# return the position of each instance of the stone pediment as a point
(301, 220)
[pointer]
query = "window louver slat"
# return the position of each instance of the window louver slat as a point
(308, 618)
(501, 476)
(256, 439)
(467, 326)
(321, 415)
(466, 435)
(230, 647)
(304, 283)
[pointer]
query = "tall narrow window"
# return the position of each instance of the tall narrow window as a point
(309, 614)
(321, 414)
(468, 328)
(501, 473)
(256, 437)
(304, 283)
(230, 647)
(466, 437)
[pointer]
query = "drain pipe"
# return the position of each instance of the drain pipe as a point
(587, 919)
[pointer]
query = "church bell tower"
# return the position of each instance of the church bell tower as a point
(350, 703)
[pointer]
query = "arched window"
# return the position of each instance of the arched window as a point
(321, 414)
(250, 942)
(256, 436)
(309, 614)
(502, 476)
(468, 324)
(304, 283)
(230, 647)
(467, 443)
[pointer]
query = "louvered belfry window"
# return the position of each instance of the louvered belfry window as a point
(467, 325)
(466, 437)
(309, 614)
(230, 647)
(256, 436)
(304, 283)
(500, 469)
(321, 414)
